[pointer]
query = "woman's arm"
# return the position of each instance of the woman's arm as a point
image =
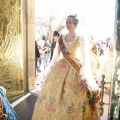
(85, 71)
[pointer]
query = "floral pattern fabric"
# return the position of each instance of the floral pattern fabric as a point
(61, 97)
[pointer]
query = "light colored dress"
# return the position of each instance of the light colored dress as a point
(61, 97)
(93, 60)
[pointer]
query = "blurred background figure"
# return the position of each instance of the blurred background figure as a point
(39, 52)
(55, 38)
(106, 65)
(46, 48)
(37, 56)
(93, 50)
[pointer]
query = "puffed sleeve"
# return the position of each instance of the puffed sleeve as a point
(85, 71)
(54, 60)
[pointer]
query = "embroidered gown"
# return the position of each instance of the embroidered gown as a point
(61, 97)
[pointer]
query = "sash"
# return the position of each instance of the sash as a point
(67, 56)
(94, 97)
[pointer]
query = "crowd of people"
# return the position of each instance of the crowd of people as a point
(44, 51)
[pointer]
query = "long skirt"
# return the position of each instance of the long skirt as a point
(61, 97)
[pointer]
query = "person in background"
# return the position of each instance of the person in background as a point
(106, 65)
(46, 48)
(93, 50)
(55, 38)
(7, 110)
(42, 52)
(37, 55)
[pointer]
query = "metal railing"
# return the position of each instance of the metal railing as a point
(101, 103)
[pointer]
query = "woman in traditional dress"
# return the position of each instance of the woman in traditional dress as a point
(68, 80)
(93, 50)
(6, 110)
(106, 65)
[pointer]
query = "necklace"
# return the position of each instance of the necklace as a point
(70, 38)
(71, 35)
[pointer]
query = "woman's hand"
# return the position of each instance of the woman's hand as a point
(83, 84)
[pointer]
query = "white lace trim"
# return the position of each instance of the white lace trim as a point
(85, 71)
(70, 42)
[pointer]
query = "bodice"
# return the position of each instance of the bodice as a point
(72, 47)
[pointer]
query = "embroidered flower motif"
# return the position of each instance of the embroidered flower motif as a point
(49, 108)
(52, 100)
(64, 66)
(67, 104)
(70, 109)
(85, 102)
(72, 85)
(83, 108)
(76, 92)
(42, 98)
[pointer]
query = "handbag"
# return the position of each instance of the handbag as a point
(2, 116)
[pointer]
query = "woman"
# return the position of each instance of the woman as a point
(63, 96)
(7, 110)
(106, 65)
(93, 56)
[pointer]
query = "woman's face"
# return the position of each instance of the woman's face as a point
(90, 38)
(69, 24)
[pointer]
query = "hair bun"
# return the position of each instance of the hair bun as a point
(75, 19)
(75, 15)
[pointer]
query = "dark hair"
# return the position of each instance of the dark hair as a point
(75, 19)
(55, 33)
(92, 37)
(43, 37)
